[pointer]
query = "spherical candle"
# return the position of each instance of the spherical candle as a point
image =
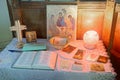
(90, 39)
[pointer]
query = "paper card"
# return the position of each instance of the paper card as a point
(68, 48)
(92, 57)
(64, 64)
(78, 55)
(77, 66)
(102, 59)
(97, 67)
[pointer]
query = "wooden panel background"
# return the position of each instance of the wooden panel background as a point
(34, 17)
(35, 20)
(107, 26)
(116, 33)
(115, 50)
(116, 42)
(90, 17)
(90, 20)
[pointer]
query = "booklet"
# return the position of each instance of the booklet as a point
(36, 60)
(34, 47)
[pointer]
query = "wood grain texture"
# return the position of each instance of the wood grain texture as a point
(108, 22)
(90, 20)
(116, 41)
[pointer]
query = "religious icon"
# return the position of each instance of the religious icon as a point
(31, 36)
(78, 55)
(68, 49)
(61, 21)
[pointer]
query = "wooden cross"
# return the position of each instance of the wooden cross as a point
(18, 28)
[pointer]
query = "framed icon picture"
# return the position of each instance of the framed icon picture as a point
(61, 21)
(31, 36)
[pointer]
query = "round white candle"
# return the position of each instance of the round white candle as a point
(90, 39)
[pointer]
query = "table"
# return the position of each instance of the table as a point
(7, 59)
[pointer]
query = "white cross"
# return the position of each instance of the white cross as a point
(18, 28)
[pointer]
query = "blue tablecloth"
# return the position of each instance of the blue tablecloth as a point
(8, 73)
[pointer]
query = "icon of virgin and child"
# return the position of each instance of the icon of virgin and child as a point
(62, 24)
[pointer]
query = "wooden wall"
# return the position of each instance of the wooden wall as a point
(116, 40)
(98, 17)
(108, 21)
(33, 15)
(115, 50)
(91, 16)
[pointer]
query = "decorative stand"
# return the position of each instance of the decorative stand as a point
(18, 28)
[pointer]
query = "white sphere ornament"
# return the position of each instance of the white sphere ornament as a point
(90, 39)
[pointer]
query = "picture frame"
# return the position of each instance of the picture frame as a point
(31, 36)
(61, 21)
